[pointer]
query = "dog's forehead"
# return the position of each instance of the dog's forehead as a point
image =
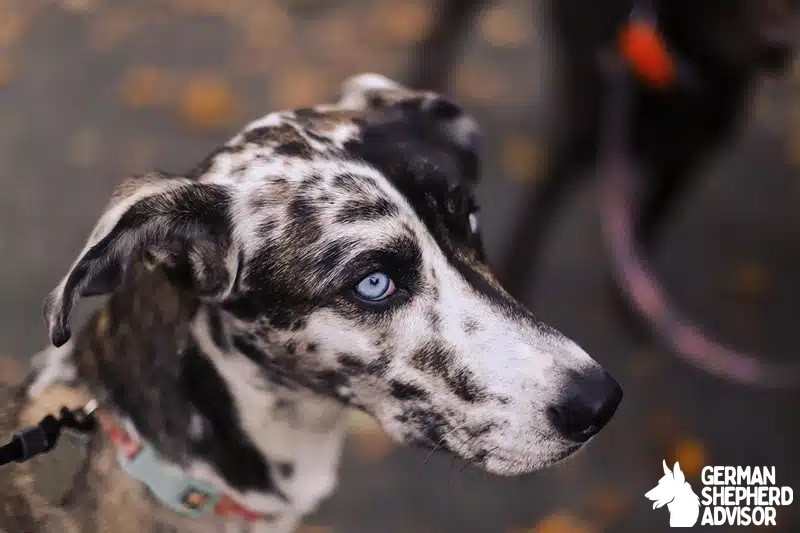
(381, 150)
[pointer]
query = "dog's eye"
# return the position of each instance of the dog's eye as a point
(375, 287)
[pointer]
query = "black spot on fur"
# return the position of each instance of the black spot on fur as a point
(444, 109)
(470, 325)
(304, 228)
(464, 386)
(307, 113)
(433, 357)
(286, 470)
(351, 183)
(428, 427)
(440, 361)
(351, 365)
(333, 255)
(407, 391)
(365, 210)
(293, 149)
(434, 320)
(249, 350)
(217, 329)
(332, 384)
(226, 447)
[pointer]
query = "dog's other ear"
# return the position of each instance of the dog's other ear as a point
(677, 474)
(409, 134)
(667, 471)
(179, 223)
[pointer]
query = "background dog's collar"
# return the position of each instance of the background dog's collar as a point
(171, 486)
(647, 52)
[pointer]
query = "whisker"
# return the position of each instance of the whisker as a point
(441, 441)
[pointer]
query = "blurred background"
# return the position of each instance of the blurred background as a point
(94, 90)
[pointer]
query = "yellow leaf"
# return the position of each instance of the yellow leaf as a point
(505, 27)
(207, 103)
(691, 454)
(524, 158)
(300, 87)
(608, 503)
(750, 280)
(145, 87)
(560, 522)
(400, 22)
(11, 371)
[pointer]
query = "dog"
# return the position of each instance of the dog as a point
(674, 492)
(323, 259)
(718, 51)
(692, 67)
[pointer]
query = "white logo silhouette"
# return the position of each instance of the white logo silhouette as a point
(674, 492)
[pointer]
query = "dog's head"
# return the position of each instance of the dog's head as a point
(340, 248)
(732, 37)
(672, 485)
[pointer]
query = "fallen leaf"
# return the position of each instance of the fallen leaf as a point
(145, 86)
(400, 22)
(207, 103)
(691, 454)
(524, 158)
(480, 84)
(504, 27)
(560, 522)
(11, 371)
(608, 504)
(750, 280)
(299, 87)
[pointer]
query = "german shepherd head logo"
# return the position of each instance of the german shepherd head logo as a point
(674, 492)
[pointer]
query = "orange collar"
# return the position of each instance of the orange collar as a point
(647, 54)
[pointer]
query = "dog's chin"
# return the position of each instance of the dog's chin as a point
(504, 465)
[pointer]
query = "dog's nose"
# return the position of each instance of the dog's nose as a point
(589, 402)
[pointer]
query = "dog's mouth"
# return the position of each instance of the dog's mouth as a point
(514, 464)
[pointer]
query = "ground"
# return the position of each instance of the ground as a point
(91, 91)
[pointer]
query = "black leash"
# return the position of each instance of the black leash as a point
(42, 437)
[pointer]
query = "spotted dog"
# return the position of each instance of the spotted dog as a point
(323, 258)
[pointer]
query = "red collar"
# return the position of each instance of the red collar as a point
(647, 54)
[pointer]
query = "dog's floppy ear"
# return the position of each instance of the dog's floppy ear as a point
(181, 223)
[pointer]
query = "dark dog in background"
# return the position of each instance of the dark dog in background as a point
(718, 49)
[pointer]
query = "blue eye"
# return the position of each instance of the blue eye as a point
(375, 287)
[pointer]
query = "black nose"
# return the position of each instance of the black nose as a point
(589, 402)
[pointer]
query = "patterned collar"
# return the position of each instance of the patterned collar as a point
(183, 494)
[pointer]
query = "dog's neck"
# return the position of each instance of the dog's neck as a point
(297, 432)
(150, 355)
